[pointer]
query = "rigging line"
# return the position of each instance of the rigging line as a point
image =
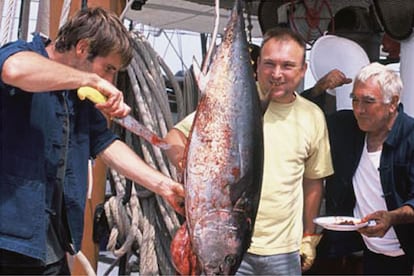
(213, 38)
(175, 50)
(127, 6)
(168, 44)
(183, 19)
(180, 46)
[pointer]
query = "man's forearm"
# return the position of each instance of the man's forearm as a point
(312, 192)
(402, 215)
(121, 158)
(34, 73)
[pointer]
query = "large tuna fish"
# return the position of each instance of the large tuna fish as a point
(223, 166)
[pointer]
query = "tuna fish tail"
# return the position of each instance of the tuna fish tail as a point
(223, 164)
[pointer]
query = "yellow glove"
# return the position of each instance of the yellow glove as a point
(308, 250)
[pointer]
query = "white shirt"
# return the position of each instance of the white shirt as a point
(369, 199)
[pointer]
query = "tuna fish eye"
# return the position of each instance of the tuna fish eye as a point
(230, 260)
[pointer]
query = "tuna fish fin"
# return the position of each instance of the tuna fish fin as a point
(199, 76)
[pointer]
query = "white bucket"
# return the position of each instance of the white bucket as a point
(333, 52)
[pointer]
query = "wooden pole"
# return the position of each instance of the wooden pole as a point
(113, 5)
(55, 10)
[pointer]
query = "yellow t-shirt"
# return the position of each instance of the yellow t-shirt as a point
(185, 124)
(296, 144)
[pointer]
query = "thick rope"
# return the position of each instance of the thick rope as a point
(2, 2)
(146, 224)
(148, 261)
(85, 263)
(8, 24)
(207, 61)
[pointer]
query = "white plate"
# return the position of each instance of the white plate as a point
(334, 223)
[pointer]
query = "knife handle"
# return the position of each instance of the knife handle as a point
(87, 92)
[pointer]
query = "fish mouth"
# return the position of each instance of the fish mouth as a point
(227, 267)
(209, 239)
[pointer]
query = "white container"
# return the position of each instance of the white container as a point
(333, 52)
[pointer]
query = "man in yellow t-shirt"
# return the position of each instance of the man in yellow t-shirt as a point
(296, 160)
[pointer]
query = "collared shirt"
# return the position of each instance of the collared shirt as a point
(40, 137)
(396, 174)
(370, 198)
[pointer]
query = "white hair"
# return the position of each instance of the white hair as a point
(388, 80)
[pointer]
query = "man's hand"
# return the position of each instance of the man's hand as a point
(175, 197)
(308, 250)
(382, 224)
(114, 107)
(331, 80)
(385, 219)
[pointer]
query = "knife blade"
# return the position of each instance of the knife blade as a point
(128, 122)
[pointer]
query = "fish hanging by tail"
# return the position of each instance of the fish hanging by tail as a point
(223, 163)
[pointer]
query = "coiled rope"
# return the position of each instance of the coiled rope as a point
(145, 225)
